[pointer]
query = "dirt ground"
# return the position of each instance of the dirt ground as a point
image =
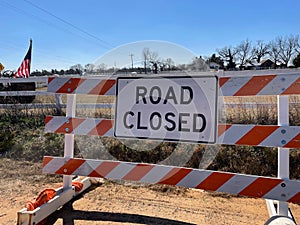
(114, 203)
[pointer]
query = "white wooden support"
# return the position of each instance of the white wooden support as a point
(279, 207)
(69, 138)
(35, 216)
(283, 153)
(61, 198)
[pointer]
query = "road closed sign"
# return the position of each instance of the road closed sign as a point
(167, 108)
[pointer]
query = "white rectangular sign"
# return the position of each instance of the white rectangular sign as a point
(167, 108)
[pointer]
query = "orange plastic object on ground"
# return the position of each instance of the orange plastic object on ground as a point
(78, 185)
(47, 195)
(43, 197)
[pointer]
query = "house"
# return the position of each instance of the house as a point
(266, 64)
(254, 65)
(214, 66)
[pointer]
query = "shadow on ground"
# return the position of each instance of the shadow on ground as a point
(69, 215)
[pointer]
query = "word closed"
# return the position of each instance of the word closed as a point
(167, 108)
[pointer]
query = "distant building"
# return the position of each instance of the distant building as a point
(214, 66)
(266, 64)
(254, 65)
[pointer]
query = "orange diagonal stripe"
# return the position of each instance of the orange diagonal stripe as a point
(48, 118)
(295, 199)
(46, 160)
(138, 172)
(102, 87)
(214, 181)
(174, 176)
(254, 85)
(103, 169)
(50, 79)
(222, 128)
(223, 80)
(294, 143)
(293, 89)
(71, 125)
(256, 135)
(102, 127)
(70, 166)
(260, 187)
(70, 86)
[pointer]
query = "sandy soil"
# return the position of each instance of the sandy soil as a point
(113, 203)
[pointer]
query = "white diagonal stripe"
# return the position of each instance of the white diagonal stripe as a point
(278, 85)
(234, 133)
(120, 170)
(233, 85)
(87, 85)
(112, 90)
(281, 136)
(284, 193)
(55, 123)
(56, 84)
(194, 178)
(109, 133)
(156, 174)
(87, 167)
(86, 126)
(237, 183)
(54, 165)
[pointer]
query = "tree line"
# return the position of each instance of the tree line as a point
(282, 51)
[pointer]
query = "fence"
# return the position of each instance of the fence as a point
(277, 191)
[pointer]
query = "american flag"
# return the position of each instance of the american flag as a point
(24, 69)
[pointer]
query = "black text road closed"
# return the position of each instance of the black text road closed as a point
(167, 108)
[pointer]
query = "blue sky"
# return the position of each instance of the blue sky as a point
(68, 32)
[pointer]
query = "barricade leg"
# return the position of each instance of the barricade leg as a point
(283, 153)
(69, 138)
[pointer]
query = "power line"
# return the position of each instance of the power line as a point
(23, 12)
(49, 23)
(103, 43)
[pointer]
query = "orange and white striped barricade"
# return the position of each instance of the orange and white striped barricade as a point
(281, 189)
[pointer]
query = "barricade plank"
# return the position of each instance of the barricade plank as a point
(231, 134)
(283, 84)
(92, 86)
(232, 183)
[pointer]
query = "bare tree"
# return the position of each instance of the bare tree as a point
(244, 52)
(298, 47)
(89, 67)
(228, 55)
(260, 50)
(78, 68)
(101, 68)
(169, 63)
(150, 57)
(287, 47)
(274, 52)
(145, 57)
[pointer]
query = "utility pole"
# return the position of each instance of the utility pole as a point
(131, 56)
